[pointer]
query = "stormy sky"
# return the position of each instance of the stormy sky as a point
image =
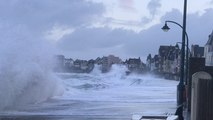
(87, 29)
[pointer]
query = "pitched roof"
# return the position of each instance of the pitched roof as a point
(164, 50)
(134, 60)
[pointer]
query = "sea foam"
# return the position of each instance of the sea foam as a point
(25, 68)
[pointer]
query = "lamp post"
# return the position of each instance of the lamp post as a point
(181, 83)
(166, 28)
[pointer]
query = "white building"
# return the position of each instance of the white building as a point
(208, 51)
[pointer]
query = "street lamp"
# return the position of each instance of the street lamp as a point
(166, 28)
(181, 83)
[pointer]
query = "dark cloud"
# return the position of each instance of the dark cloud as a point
(37, 16)
(153, 6)
(40, 15)
(29, 20)
(199, 27)
(100, 39)
(94, 42)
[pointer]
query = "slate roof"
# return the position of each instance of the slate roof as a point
(164, 50)
(168, 52)
(134, 61)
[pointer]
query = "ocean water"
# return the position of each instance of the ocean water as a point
(95, 96)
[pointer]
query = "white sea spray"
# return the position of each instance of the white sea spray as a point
(25, 68)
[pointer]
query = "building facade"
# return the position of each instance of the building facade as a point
(169, 61)
(197, 51)
(107, 62)
(208, 51)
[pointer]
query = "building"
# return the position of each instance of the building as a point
(208, 51)
(152, 64)
(197, 51)
(105, 66)
(149, 62)
(169, 61)
(156, 63)
(82, 66)
(68, 62)
(167, 54)
(136, 65)
(114, 60)
(108, 61)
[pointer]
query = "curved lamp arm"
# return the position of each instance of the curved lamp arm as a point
(166, 28)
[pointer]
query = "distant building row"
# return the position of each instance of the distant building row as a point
(83, 66)
(167, 61)
(69, 65)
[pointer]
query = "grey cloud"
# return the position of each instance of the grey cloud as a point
(199, 27)
(174, 15)
(153, 6)
(28, 20)
(101, 38)
(145, 20)
(109, 20)
(38, 15)
(104, 41)
(42, 14)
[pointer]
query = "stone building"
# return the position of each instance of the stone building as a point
(135, 65)
(168, 58)
(108, 61)
(152, 64)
